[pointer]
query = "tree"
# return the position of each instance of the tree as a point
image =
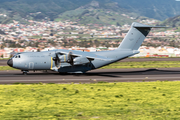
(117, 24)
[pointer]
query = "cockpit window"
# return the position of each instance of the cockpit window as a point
(14, 56)
(18, 56)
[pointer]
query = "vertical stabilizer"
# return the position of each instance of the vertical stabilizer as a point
(135, 36)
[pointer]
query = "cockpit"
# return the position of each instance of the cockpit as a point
(17, 56)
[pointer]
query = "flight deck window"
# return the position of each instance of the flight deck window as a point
(18, 56)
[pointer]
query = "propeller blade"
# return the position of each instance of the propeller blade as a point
(57, 61)
(70, 58)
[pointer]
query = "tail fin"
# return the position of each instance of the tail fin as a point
(136, 36)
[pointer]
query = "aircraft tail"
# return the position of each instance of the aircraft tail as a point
(136, 36)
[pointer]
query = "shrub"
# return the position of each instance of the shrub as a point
(76, 91)
(102, 82)
(80, 114)
(64, 88)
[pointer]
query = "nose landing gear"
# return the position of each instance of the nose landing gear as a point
(25, 72)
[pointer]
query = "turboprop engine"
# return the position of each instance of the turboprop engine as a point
(69, 58)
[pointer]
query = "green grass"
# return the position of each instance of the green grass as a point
(6, 68)
(146, 64)
(4, 58)
(102, 101)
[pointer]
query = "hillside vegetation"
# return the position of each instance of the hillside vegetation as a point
(172, 22)
(96, 13)
(157, 9)
(50, 9)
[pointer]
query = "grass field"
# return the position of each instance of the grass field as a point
(146, 64)
(6, 68)
(124, 65)
(4, 58)
(103, 101)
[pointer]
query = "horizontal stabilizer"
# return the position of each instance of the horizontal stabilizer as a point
(138, 25)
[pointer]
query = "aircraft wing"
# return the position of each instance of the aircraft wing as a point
(89, 56)
(138, 25)
(99, 58)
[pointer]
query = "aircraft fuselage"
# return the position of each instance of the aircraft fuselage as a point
(44, 60)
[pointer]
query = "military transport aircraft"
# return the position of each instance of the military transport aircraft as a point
(70, 61)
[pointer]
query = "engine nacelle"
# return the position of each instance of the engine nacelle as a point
(80, 60)
(64, 58)
(60, 59)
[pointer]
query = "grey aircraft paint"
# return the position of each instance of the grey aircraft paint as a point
(70, 61)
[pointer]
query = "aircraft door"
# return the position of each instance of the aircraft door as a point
(31, 65)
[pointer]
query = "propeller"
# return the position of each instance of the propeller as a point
(60, 58)
(57, 61)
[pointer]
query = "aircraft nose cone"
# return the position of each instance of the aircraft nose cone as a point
(10, 62)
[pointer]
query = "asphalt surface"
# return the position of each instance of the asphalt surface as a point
(4, 62)
(99, 75)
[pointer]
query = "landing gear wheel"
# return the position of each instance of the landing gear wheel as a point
(25, 72)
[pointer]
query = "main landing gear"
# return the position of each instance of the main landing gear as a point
(25, 72)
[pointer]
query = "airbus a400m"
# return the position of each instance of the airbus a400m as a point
(70, 61)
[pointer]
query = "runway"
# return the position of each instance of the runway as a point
(99, 75)
(3, 62)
